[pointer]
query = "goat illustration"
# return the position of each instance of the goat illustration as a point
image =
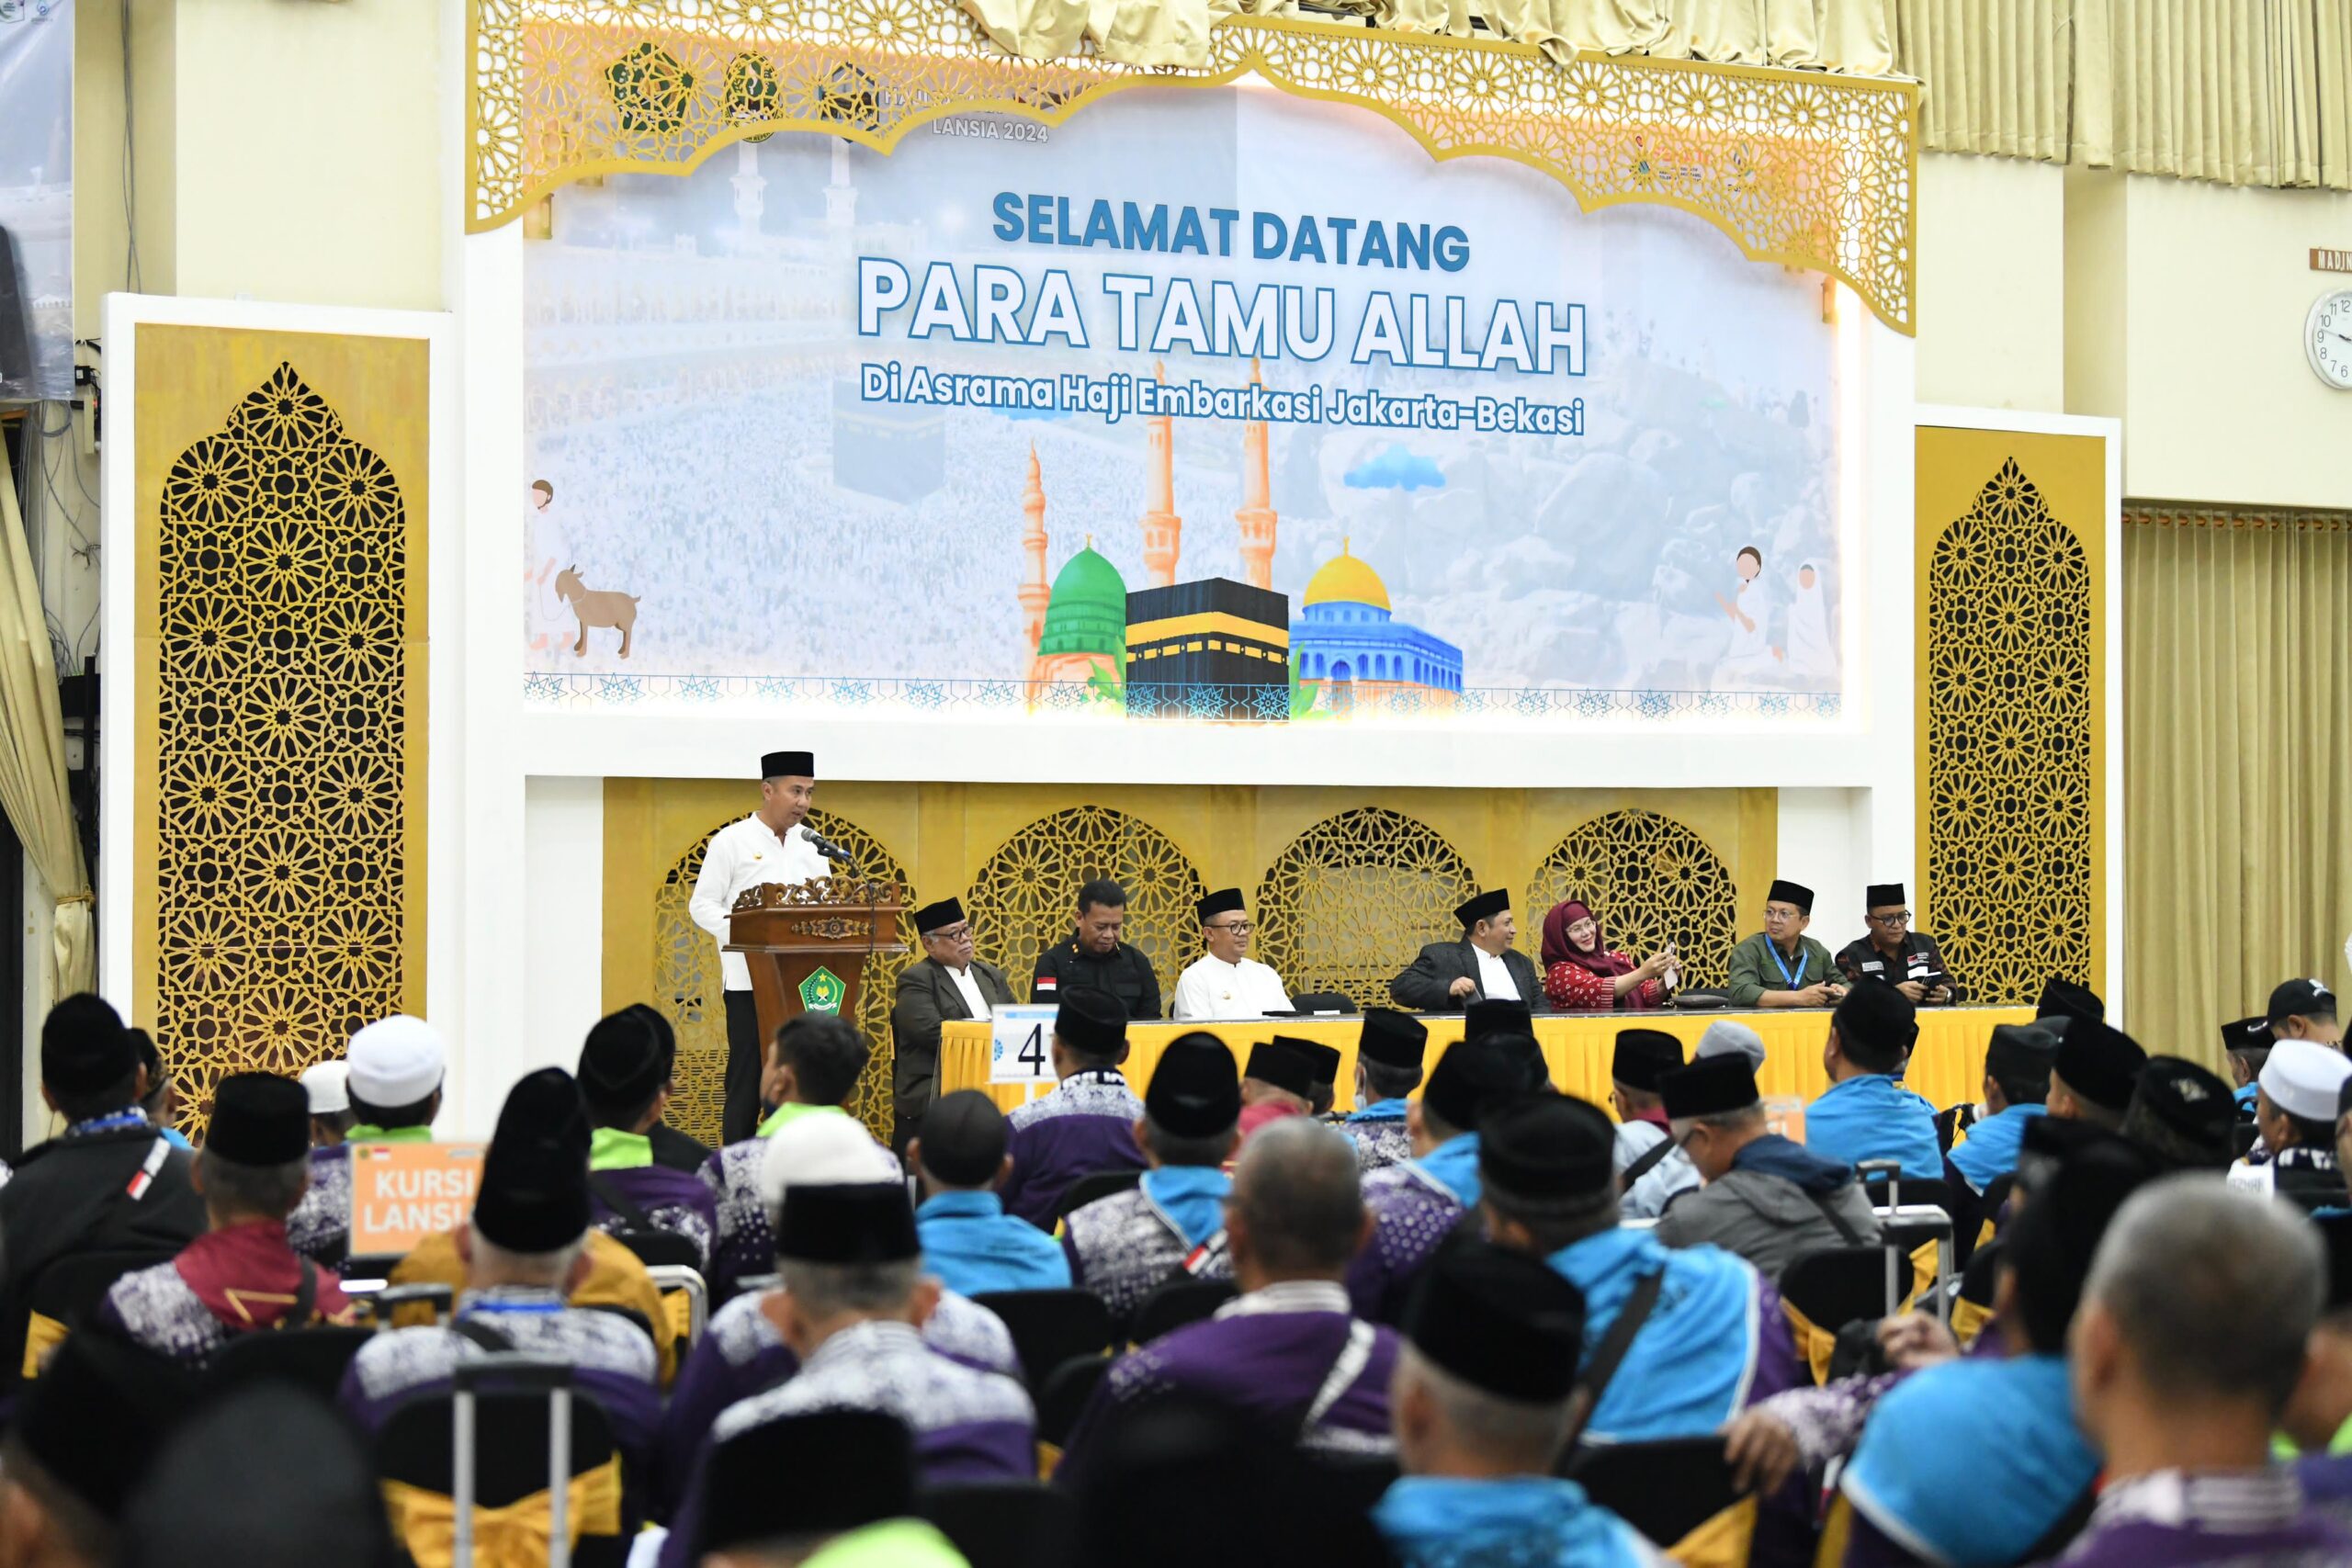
(596, 607)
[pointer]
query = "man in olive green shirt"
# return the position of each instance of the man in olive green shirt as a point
(1780, 967)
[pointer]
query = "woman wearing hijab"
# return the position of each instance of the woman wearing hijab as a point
(1581, 973)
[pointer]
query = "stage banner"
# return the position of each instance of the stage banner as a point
(1210, 405)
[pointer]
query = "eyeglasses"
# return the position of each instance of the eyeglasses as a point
(1242, 928)
(953, 933)
(1900, 918)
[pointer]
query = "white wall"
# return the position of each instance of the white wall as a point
(562, 980)
(1992, 304)
(1821, 849)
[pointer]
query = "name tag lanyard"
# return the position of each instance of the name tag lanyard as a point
(1796, 981)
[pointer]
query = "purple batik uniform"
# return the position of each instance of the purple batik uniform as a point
(1085, 1125)
(745, 1246)
(1125, 1246)
(741, 1354)
(968, 1425)
(1379, 1141)
(1291, 1357)
(672, 1201)
(610, 1356)
(320, 1226)
(2191, 1519)
(1412, 1211)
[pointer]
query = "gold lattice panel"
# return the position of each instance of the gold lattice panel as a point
(282, 668)
(2010, 741)
(686, 986)
(1651, 881)
(1024, 898)
(1348, 902)
(1813, 170)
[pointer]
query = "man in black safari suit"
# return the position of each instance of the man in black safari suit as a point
(1483, 966)
(947, 983)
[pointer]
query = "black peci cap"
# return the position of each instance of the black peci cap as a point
(1712, 1085)
(964, 1139)
(1642, 1056)
(1092, 1021)
(1485, 907)
(938, 916)
(1195, 1091)
(1500, 1321)
(624, 1062)
(788, 764)
(1795, 893)
(84, 1046)
(1223, 901)
(1550, 1146)
(859, 1221)
(1280, 1063)
(2099, 1063)
(534, 1192)
(811, 1475)
(1392, 1039)
(259, 1119)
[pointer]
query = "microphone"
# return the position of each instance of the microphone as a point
(827, 848)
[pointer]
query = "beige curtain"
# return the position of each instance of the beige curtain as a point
(1998, 72)
(2237, 815)
(2245, 92)
(32, 754)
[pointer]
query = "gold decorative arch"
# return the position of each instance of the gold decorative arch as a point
(2011, 799)
(1650, 880)
(1811, 170)
(686, 986)
(1348, 902)
(1019, 903)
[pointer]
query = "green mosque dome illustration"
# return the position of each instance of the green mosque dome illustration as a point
(1088, 611)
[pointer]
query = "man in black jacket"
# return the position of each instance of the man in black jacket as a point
(1449, 975)
(108, 1183)
(1095, 959)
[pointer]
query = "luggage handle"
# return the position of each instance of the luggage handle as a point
(522, 1372)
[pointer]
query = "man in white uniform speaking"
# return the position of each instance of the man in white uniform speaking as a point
(1225, 981)
(770, 845)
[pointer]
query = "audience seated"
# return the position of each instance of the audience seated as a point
(267, 1477)
(1417, 1205)
(2093, 1071)
(969, 1242)
(1170, 1224)
(625, 1079)
(2181, 1116)
(2017, 1089)
(1766, 1199)
(396, 1066)
(1780, 967)
(521, 1256)
(1287, 1351)
(672, 1149)
(2318, 1419)
(1322, 1075)
(810, 1067)
(2192, 1336)
(2007, 1408)
(1484, 1397)
(742, 1349)
(1707, 1332)
(1278, 1082)
(1866, 1113)
(328, 1086)
(1651, 1170)
(853, 1301)
(2063, 1002)
(2246, 1042)
(83, 1437)
(851, 1501)
(240, 1277)
(1388, 1069)
(1086, 1122)
(161, 1100)
(2294, 1114)
(2303, 1009)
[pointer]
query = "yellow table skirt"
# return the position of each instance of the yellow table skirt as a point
(1948, 1066)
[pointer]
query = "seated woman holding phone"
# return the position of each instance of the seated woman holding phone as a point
(1583, 973)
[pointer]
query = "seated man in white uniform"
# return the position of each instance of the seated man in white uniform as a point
(1225, 981)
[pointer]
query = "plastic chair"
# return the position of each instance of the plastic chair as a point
(1337, 1002)
(1176, 1303)
(1005, 1524)
(660, 1250)
(1049, 1327)
(1666, 1490)
(310, 1359)
(680, 1284)
(1064, 1394)
(1092, 1189)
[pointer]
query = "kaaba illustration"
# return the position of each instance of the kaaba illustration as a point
(1210, 648)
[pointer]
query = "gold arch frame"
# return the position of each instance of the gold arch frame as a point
(1803, 168)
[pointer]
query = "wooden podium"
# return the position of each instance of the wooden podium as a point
(807, 943)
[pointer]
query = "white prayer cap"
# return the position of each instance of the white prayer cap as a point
(1725, 1038)
(329, 1094)
(2302, 1076)
(397, 1061)
(825, 1148)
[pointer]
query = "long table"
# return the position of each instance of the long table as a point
(1947, 1067)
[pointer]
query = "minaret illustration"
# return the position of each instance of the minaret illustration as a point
(1036, 593)
(1257, 514)
(1163, 531)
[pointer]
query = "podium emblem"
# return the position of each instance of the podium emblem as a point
(821, 992)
